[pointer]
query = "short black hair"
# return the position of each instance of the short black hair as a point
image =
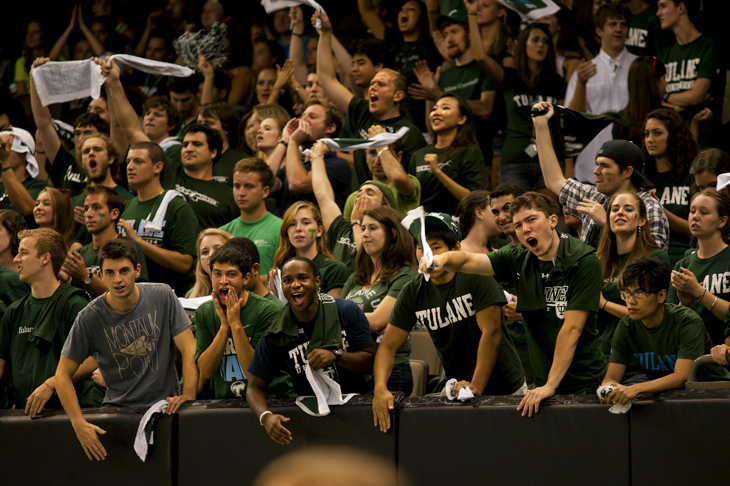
(377, 51)
(213, 137)
(439, 233)
(176, 84)
(231, 255)
(312, 267)
(227, 116)
(118, 249)
(92, 120)
(506, 189)
(246, 246)
(154, 151)
(648, 273)
(113, 199)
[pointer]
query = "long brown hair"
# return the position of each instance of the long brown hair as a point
(608, 249)
(681, 146)
(63, 213)
(397, 250)
(546, 70)
(203, 286)
(722, 205)
(643, 95)
(285, 250)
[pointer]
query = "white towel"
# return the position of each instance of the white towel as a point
(31, 164)
(59, 82)
(169, 142)
(463, 395)
(194, 303)
(617, 408)
(723, 180)
(379, 140)
(414, 214)
(140, 441)
(326, 392)
(272, 6)
(155, 224)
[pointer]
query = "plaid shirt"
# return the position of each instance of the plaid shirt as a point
(573, 192)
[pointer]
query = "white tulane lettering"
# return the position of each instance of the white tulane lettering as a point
(456, 310)
(718, 283)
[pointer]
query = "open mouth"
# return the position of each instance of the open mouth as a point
(297, 297)
(223, 293)
(531, 243)
(119, 289)
(92, 164)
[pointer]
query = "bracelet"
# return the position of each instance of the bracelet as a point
(383, 150)
(6, 168)
(604, 305)
(704, 291)
(713, 304)
(297, 35)
(283, 143)
(358, 223)
(317, 155)
(262, 416)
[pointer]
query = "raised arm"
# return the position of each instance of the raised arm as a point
(322, 187)
(300, 181)
(206, 68)
(94, 43)
(296, 45)
(551, 171)
(141, 48)
(336, 92)
(58, 46)
(170, 259)
(122, 113)
(493, 69)
(42, 117)
(391, 165)
(460, 261)
(457, 190)
(371, 19)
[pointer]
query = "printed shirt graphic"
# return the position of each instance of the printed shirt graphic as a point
(134, 349)
(230, 381)
(674, 197)
(341, 242)
(268, 359)
(212, 201)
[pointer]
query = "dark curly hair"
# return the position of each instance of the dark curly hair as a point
(681, 147)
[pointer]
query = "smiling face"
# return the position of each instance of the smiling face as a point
(613, 34)
(408, 17)
(656, 138)
(537, 232)
(95, 159)
(43, 211)
(226, 276)
(268, 134)
(208, 245)
(457, 39)
(196, 152)
(97, 215)
(537, 45)
(119, 276)
(156, 124)
(303, 231)
(624, 216)
(248, 191)
(445, 115)
(265, 85)
(608, 176)
(704, 220)
(299, 286)
(500, 211)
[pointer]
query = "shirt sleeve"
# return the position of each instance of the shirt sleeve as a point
(355, 324)
(504, 263)
(77, 346)
(620, 347)
(179, 232)
(397, 282)
(403, 315)
(672, 297)
(179, 320)
(266, 315)
(585, 286)
(337, 275)
(710, 61)
(657, 221)
(203, 330)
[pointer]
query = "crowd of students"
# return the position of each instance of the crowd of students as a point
(534, 274)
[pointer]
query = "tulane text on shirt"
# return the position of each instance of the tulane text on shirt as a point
(637, 37)
(654, 362)
(529, 100)
(717, 283)
(557, 297)
(458, 309)
(298, 356)
(675, 195)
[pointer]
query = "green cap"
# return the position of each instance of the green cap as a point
(441, 220)
(385, 190)
(456, 15)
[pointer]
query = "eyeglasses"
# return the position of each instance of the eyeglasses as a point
(639, 296)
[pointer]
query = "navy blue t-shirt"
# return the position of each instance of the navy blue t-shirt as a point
(268, 359)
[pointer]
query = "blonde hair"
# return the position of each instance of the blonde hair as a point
(203, 286)
(285, 250)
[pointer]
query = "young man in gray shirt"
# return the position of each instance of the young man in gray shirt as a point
(130, 331)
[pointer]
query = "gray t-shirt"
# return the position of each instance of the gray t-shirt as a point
(134, 349)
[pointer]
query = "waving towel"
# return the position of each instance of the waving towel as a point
(352, 144)
(146, 430)
(418, 232)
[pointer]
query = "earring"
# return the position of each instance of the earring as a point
(639, 231)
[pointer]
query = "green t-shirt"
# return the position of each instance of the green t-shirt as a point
(687, 63)
(280, 304)
(82, 234)
(332, 273)
(230, 380)
(33, 186)
(264, 233)
(173, 168)
(465, 167)
(518, 100)
(223, 168)
(470, 81)
(578, 289)
(341, 243)
(368, 300)
(11, 287)
(403, 204)
(91, 260)
(449, 312)
(713, 274)
(211, 201)
(646, 37)
(681, 335)
(361, 119)
(674, 198)
(30, 365)
(179, 232)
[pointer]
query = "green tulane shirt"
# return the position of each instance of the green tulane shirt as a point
(361, 119)
(449, 312)
(465, 167)
(674, 197)
(332, 273)
(646, 37)
(368, 300)
(223, 168)
(681, 335)
(713, 274)
(230, 380)
(32, 366)
(341, 243)
(577, 287)
(687, 63)
(179, 232)
(264, 233)
(212, 201)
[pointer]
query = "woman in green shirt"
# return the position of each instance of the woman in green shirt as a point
(302, 234)
(384, 264)
(625, 239)
(701, 280)
(709, 164)
(669, 150)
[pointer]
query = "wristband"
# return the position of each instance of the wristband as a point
(383, 150)
(604, 305)
(356, 223)
(282, 142)
(262, 416)
(6, 168)
(713, 304)
(297, 35)
(704, 291)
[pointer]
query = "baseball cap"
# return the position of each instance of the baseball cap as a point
(440, 220)
(385, 190)
(626, 154)
(456, 15)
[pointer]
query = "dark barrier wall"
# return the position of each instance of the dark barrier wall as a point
(572, 440)
(46, 451)
(221, 442)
